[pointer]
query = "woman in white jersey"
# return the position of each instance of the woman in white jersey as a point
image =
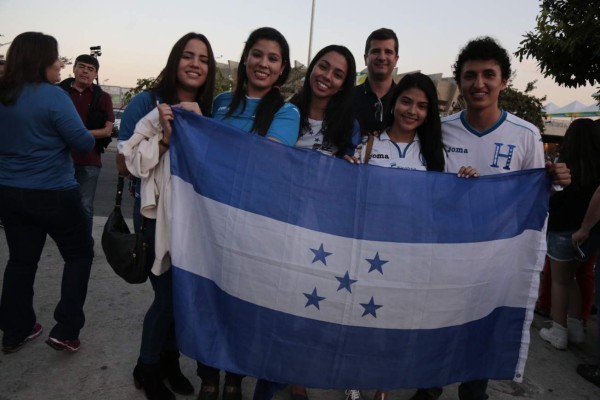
(327, 121)
(413, 137)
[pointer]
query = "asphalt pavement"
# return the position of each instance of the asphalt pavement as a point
(102, 368)
(107, 186)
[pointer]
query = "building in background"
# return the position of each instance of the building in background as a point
(448, 93)
(116, 93)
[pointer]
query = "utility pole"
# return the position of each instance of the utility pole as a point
(312, 20)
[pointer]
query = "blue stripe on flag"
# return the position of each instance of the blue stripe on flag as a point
(238, 336)
(329, 195)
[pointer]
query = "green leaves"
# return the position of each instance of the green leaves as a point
(524, 105)
(142, 84)
(566, 42)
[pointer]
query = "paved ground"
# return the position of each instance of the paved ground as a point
(110, 342)
(107, 183)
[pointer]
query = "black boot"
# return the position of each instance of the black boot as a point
(169, 369)
(147, 376)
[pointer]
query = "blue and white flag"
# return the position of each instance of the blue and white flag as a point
(300, 268)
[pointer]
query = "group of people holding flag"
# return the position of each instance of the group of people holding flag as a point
(320, 117)
(401, 129)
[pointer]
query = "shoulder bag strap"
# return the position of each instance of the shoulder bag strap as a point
(369, 148)
(119, 196)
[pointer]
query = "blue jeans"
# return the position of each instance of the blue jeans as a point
(28, 216)
(158, 331)
(87, 177)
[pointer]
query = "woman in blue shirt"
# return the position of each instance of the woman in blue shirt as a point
(255, 106)
(39, 196)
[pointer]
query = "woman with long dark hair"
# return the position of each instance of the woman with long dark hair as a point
(413, 135)
(187, 81)
(255, 106)
(39, 196)
(327, 122)
(591, 372)
(581, 152)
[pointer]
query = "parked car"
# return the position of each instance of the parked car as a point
(118, 114)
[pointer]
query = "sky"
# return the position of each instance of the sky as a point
(136, 36)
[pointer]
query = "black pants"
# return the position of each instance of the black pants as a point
(28, 216)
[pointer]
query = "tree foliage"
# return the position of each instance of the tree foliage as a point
(294, 82)
(142, 84)
(65, 60)
(566, 42)
(524, 104)
(222, 83)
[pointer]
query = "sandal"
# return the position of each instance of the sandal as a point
(208, 391)
(380, 395)
(232, 392)
(299, 393)
(590, 373)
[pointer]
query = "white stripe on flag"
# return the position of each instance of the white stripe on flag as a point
(418, 286)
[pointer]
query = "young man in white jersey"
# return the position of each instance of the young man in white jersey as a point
(490, 140)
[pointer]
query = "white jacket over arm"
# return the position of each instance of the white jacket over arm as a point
(143, 160)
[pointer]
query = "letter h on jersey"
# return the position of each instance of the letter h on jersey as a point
(498, 154)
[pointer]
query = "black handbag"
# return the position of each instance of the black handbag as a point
(125, 252)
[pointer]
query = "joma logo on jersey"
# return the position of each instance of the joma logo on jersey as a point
(457, 150)
(382, 156)
(509, 149)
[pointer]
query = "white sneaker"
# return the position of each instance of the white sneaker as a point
(352, 394)
(575, 328)
(557, 335)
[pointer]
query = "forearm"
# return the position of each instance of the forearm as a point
(121, 166)
(163, 147)
(104, 132)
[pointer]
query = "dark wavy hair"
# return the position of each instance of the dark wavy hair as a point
(273, 100)
(580, 150)
(166, 84)
(430, 132)
(338, 121)
(482, 48)
(28, 57)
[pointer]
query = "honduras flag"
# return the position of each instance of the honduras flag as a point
(296, 267)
